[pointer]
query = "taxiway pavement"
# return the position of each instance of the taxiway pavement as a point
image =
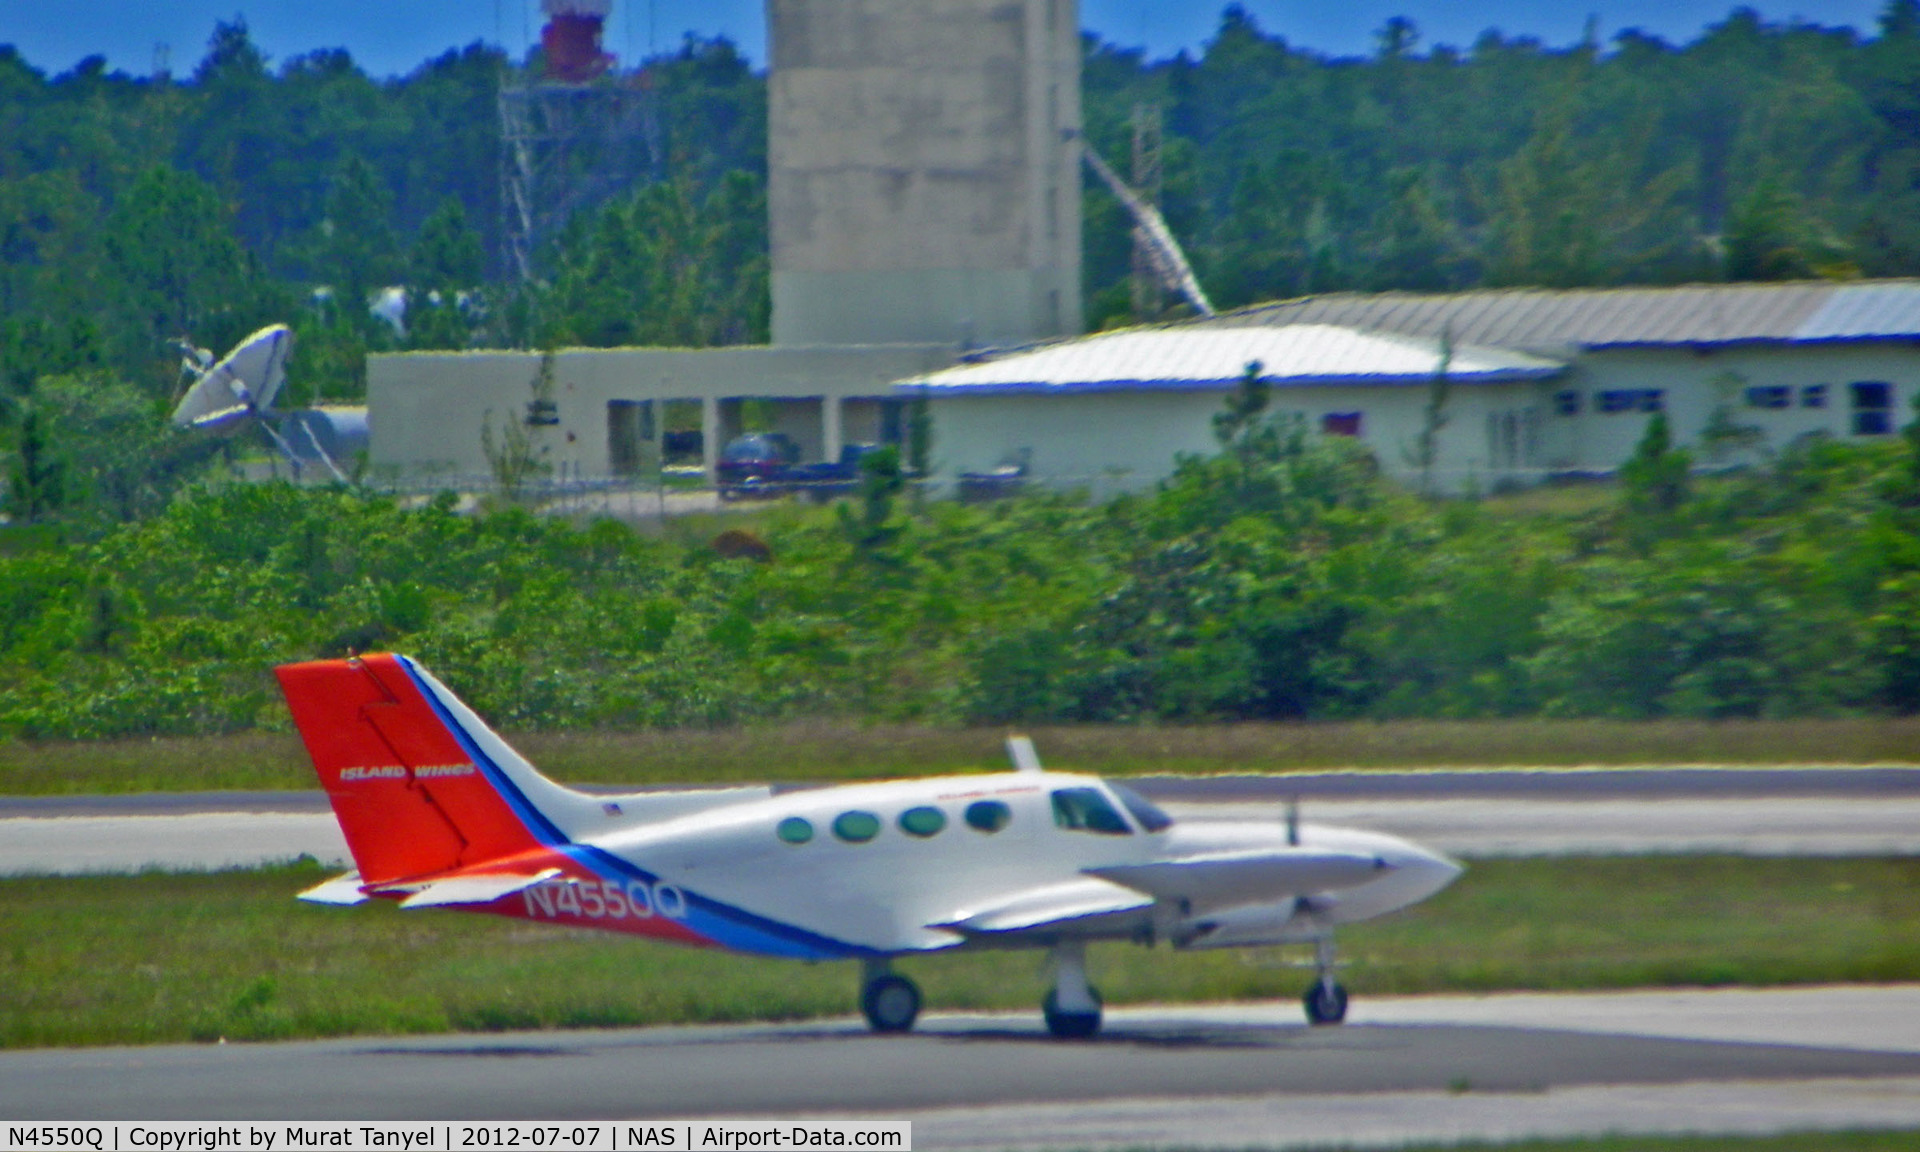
(1224, 1076)
(1768, 812)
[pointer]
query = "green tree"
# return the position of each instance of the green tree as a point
(1770, 238)
(36, 483)
(355, 250)
(1654, 478)
(175, 265)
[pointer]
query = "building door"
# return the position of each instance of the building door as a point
(630, 432)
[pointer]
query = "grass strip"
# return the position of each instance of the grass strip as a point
(174, 957)
(837, 750)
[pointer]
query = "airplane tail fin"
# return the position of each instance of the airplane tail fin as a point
(419, 783)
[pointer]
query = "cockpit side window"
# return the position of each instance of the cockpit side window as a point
(1144, 810)
(1086, 810)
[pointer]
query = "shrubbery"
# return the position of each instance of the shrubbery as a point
(1280, 578)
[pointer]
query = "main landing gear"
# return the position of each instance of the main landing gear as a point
(1326, 1000)
(890, 1002)
(1072, 1006)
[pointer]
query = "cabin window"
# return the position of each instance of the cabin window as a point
(988, 815)
(922, 822)
(856, 827)
(794, 830)
(1086, 810)
(1145, 811)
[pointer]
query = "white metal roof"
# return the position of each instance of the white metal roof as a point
(1558, 321)
(1215, 358)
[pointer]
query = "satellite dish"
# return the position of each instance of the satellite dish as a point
(241, 387)
(240, 390)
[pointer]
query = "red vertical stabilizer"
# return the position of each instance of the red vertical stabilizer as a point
(409, 795)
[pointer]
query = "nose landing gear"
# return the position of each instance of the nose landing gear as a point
(1072, 1007)
(1326, 1000)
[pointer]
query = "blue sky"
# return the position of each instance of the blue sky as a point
(392, 36)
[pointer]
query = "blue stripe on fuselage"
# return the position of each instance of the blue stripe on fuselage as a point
(725, 925)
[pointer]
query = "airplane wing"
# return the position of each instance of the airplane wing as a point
(1080, 904)
(1227, 878)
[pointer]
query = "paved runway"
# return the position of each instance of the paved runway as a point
(1430, 1068)
(1223, 1075)
(1771, 812)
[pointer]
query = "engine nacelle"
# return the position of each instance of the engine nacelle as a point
(1291, 921)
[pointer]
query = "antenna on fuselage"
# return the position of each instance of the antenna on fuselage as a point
(1021, 751)
(1293, 821)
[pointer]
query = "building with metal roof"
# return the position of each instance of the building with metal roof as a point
(1554, 321)
(1538, 382)
(1210, 359)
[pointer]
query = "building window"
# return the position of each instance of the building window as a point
(1566, 402)
(1813, 396)
(1340, 423)
(1872, 407)
(1770, 396)
(1633, 400)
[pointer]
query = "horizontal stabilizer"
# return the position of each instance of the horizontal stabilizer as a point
(1229, 878)
(1054, 906)
(475, 888)
(343, 890)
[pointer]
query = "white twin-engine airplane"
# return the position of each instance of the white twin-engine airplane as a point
(439, 812)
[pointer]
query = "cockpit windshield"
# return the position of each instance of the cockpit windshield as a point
(1085, 810)
(1144, 810)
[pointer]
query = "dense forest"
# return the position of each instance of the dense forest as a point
(135, 210)
(144, 591)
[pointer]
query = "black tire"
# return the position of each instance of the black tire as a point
(1325, 1005)
(890, 1004)
(1071, 1025)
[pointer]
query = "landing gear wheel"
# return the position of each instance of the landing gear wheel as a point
(890, 1003)
(1071, 1025)
(1326, 1003)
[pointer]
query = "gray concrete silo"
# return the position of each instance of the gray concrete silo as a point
(924, 170)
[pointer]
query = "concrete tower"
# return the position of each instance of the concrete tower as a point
(924, 170)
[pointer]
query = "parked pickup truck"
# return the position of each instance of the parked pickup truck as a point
(767, 464)
(830, 478)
